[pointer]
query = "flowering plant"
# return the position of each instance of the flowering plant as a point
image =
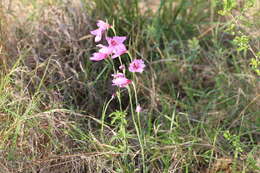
(114, 49)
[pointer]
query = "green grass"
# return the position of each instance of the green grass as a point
(199, 93)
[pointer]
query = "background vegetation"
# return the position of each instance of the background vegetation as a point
(200, 90)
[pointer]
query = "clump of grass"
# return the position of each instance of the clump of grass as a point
(45, 86)
(200, 95)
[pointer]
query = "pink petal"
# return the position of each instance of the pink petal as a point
(106, 50)
(122, 67)
(98, 38)
(116, 40)
(98, 34)
(103, 25)
(138, 109)
(119, 39)
(118, 75)
(98, 56)
(120, 80)
(119, 50)
(95, 32)
(137, 65)
(109, 39)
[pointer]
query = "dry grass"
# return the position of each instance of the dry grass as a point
(56, 46)
(51, 102)
(50, 73)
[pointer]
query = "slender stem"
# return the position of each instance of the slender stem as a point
(113, 65)
(138, 123)
(118, 94)
(130, 56)
(136, 99)
(136, 103)
(103, 118)
(137, 128)
(120, 60)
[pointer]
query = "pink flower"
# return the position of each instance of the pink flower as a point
(98, 56)
(115, 46)
(118, 75)
(102, 27)
(122, 67)
(116, 40)
(138, 109)
(120, 80)
(137, 65)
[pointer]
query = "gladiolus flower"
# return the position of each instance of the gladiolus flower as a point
(137, 65)
(120, 80)
(102, 27)
(122, 67)
(98, 56)
(115, 46)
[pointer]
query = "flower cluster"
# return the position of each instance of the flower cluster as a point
(114, 49)
(120, 80)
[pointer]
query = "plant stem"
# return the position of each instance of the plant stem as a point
(137, 128)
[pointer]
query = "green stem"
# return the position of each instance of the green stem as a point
(137, 128)
(118, 94)
(136, 103)
(103, 118)
(130, 56)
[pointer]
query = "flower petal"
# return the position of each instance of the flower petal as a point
(137, 65)
(98, 56)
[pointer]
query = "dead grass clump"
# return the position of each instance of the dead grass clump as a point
(57, 54)
(54, 49)
(45, 69)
